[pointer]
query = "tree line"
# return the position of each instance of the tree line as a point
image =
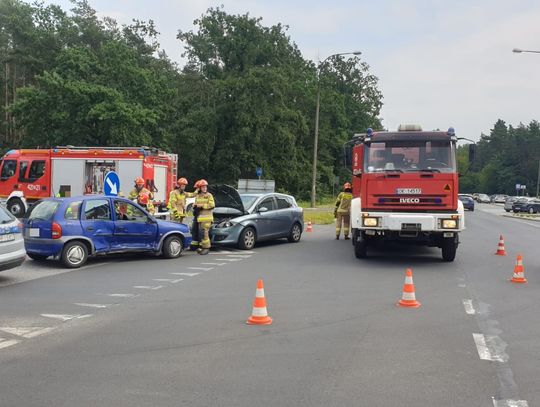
(505, 157)
(245, 98)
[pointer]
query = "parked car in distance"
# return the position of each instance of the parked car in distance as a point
(483, 198)
(499, 198)
(468, 201)
(520, 204)
(12, 253)
(72, 229)
(508, 203)
(531, 206)
(243, 220)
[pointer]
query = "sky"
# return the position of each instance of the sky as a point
(440, 64)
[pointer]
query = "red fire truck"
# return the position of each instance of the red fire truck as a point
(405, 188)
(29, 175)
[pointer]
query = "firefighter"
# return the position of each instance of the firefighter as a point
(194, 224)
(177, 200)
(204, 204)
(142, 196)
(342, 212)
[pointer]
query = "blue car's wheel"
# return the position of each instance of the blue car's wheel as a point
(74, 254)
(173, 247)
(247, 239)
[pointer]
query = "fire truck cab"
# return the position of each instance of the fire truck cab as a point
(405, 188)
(29, 175)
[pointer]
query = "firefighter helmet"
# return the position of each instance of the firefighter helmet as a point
(347, 185)
(203, 183)
(139, 181)
(182, 181)
(143, 199)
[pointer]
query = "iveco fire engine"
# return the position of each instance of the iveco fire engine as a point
(29, 175)
(405, 188)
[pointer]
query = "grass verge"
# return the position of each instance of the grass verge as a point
(319, 217)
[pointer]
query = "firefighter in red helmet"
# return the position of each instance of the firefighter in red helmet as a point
(177, 200)
(138, 193)
(342, 211)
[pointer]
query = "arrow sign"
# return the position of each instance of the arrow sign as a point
(111, 184)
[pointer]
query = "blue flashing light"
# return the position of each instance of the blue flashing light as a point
(11, 152)
(55, 150)
(438, 200)
(369, 132)
(451, 131)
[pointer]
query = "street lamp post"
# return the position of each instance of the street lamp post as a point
(519, 51)
(316, 135)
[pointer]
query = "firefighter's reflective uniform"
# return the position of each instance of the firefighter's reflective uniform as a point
(177, 204)
(138, 193)
(204, 203)
(342, 212)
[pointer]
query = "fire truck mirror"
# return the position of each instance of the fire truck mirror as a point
(347, 155)
(472, 152)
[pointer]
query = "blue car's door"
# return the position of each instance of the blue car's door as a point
(265, 218)
(133, 228)
(284, 216)
(97, 223)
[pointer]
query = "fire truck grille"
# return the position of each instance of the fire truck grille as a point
(418, 201)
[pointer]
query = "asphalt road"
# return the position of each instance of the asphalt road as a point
(140, 331)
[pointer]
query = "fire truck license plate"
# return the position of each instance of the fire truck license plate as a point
(33, 232)
(408, 191)
(7, 238)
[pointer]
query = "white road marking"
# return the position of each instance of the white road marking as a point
(469, 309)
(148, 287)
(243, 251)
(213, 264)
(490, 347)
(221, 253)
(510, 403)
(123, 295)
(66, 317)
(84, 304)
(26, 332)
(4, 343)
(168, 280)
(201, 268)
(229, 259)
(185, 274)
(462, 286)
(240, 256)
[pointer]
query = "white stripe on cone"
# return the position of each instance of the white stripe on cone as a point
(408, 296)
(259, 312)
(259, 293)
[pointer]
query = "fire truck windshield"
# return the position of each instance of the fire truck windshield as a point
(410, 156)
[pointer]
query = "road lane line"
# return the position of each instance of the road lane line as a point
(149, 287)
(241, 256)
(122, 295)
(66, 317)
(4, 343)
(84, 304)
(510, 403)
(462, 286)
(213, 264)
(26, 332)
(490, 347)
(185, 274)
(469, 309)
(229, 259)
(168, 280)
(201, 268)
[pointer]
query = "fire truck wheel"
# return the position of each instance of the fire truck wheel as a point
(16, 207)
(173, 247)
(449, 248)
(74, 254)
(360, 246)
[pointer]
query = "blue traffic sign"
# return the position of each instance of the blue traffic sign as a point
(111, 184)
(258, 171)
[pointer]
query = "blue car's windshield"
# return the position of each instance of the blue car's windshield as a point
(248, 200)
(44, 210)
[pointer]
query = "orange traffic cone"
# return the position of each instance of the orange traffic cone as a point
(408, 299)
(519, 271)
(500, 248)
(259, 315)
(309, 227)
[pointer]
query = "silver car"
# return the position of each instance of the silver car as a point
(12, 253)
(243, 220)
